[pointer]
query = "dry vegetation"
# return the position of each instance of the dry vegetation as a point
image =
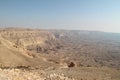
(28, 54)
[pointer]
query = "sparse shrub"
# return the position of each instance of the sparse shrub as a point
(72, 64)
(88, 65)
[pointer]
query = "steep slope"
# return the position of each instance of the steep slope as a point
(18, 47)
(10, 56)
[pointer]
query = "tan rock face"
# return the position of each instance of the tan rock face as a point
(33, 40)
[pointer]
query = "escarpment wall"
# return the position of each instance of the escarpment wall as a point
(32, 40)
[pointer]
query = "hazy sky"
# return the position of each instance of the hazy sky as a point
(101, 15)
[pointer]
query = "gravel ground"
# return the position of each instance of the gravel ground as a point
(17, 74)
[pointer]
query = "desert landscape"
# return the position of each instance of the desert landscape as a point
(47, 54)
(59, 39)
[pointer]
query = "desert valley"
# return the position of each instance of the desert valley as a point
(41, 54)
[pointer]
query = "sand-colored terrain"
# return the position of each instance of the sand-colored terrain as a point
(33, 54)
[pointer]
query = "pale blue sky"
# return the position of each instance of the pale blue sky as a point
(101, 15)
